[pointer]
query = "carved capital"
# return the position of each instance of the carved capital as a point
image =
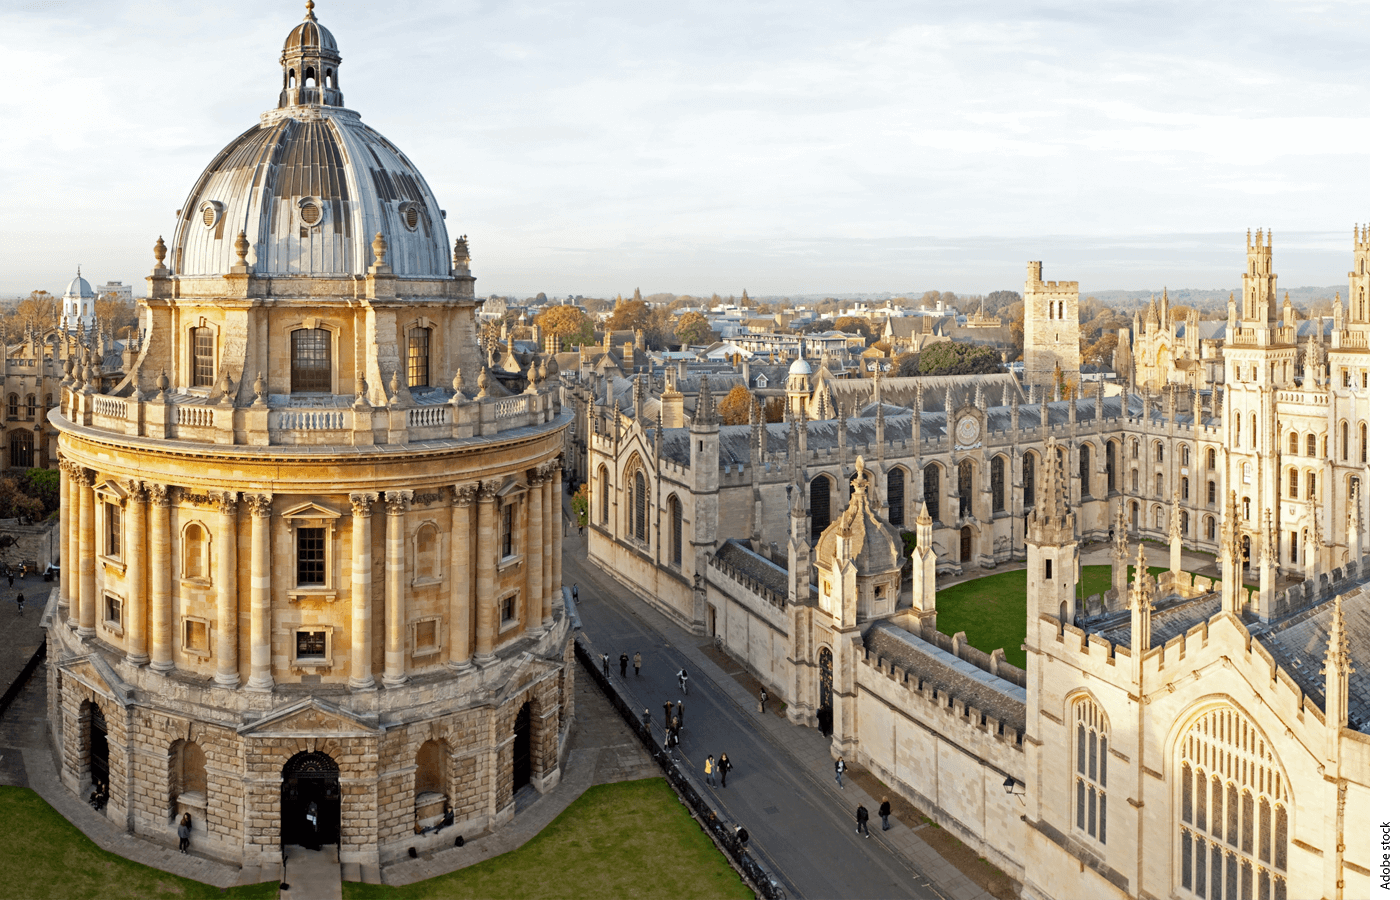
(226, 502)
(463, 494)
(488, 490)
(363, 504)
(259, 504)
(396, 502)
(537, 477)
(136, 490)
(162, 495)
(85, 477)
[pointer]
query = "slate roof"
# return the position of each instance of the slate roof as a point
(995, 697)
(1299, 645)
(1170, 618)
(736, 555)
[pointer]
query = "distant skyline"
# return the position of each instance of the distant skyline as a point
(782, 148)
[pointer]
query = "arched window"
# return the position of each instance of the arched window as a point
(1157, 519)
(1253, 431)
(998, 484)
(187, 776)
(1091, 770)
(894, 495)
(1135, 448)
(1210, 528)
(673, 513)
(1312, 485)
(1210, 459)
(1293, 484)
(965, 488)
(1293, 442)
(932, 492)
(311, 360)
(194, 552)
(821, 504)
(202, 356)
(1363, 443)
(1135, 480)
(13, 406)
(637, 506)
(1210, 492)
(1312, 445)
(1028, 481)
(22, 448)
(1246, 508)
(1084, 463)
(604, 498)
(1185, 523)
(1185, 455)
(1111, 466)
(426, 565)
(418, 357)
(432, 778)
(1237, 429)
(1159, 483)
(1346, 442)
(1157, 450)
(1234, 810)
(30, 405)
(1185, 488)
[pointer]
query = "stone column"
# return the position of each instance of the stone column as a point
(460, 612)
(548, 526)
(72, 563)
(361, 603)
(488, 552)
(87, 557)
(162, 656)
(226, 589)
(395, 505)
(534, 551)
(260, 597)
(138, 596)
(65, 527)
(557, 586)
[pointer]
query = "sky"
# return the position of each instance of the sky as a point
(711, 147)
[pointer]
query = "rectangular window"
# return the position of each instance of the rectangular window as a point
(114, 531)
(507, 530)
(508, 611)
(1312, 485)
(425, 635)
(418, 357)
(311, 556)
(196, 636)
(311, 644)
(112, 611)
(1049, 569)
(311, 360)
(202, 348)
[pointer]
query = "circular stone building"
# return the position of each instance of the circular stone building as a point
(312, 548)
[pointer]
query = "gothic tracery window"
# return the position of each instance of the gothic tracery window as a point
(1091, 770)
(1234, 810)
(998, 484)
(932, 492)
(894, 495)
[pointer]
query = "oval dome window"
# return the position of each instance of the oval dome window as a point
(310, 209)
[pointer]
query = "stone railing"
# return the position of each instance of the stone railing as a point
(109, 407)
(308, 420)
(195, 416)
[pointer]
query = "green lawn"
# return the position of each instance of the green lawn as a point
(631, 839)
(992, 610)
(42, 855)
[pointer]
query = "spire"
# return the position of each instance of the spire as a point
(704, 405)
(1141, 605)
(1338, 666)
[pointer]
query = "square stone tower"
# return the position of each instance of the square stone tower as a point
(1052, 327)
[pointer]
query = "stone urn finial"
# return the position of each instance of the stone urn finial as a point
(163, 382)
(381, 247)
(136, 386)
(259, 391)
(458, 395)
(482, 392)
(227, 387)
(394, 388)
(533, 376)
(240, 246)
(159, 251)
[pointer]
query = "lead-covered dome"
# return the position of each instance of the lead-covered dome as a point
(79, 288)
(311, 185)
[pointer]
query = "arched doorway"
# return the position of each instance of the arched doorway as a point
(966, 545)
(521, 748)
(98, 753)
(824, 681)
(311, 800)
(1244, 550)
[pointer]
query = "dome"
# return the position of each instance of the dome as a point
(874, 545)
(800, 366)
(311, 185)
(79, 287)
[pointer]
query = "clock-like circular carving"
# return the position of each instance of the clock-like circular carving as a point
(967, 430)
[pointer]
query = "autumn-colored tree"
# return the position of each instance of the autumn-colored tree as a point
(39, 309)
(854, 325)
(569, 323)
(734, 408)
(773, 410)
(694, 329)
(1100, 353)
(114, 313)
(635, 315)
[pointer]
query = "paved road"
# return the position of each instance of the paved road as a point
(803, 829)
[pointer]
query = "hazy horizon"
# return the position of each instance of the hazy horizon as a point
(787, 148)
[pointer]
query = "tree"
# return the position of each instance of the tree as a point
(855, 325)
(114, 313)
(569, 323)
(734, 408)
(773, 410)
(951, 358)
(39, 309)
(1100, 353)
(694, 329)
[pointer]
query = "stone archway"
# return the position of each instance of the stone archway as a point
(965, 545)
(520, 761)
(311, 800)
(99, 754)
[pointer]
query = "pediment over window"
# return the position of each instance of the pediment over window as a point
(311, 718)
(112, 492)
(309, 515)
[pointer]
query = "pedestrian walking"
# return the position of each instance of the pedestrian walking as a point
(575, 591)
(637, 664)
(606, 674)
(762, 699)
(676, 730)
(682, 677)
(622, 666)
(680, 715)
(862, 818)
(667, 721)
(840, 770)
(710, 770)
(10, 574)
(884, 813)
(19, 601)
(646, 720)
(186, 827)
(724, 766)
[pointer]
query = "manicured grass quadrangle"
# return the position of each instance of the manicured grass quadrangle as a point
(43, 856)
(616, 841)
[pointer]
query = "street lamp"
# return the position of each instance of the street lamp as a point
(1014, 788)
